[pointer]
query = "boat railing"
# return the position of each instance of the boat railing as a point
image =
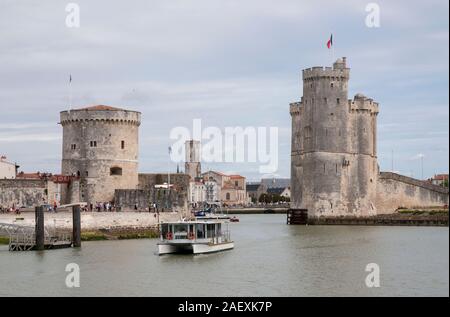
(226, 235)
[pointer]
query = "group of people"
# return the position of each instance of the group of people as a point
(98, 207)
(13, 209)
(107, 206)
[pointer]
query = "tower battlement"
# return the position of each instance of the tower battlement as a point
(295, 108)
(103, 114)
(338, 71)
(361, 103)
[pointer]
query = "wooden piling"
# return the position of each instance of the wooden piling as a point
(76, 229)
(39, 228)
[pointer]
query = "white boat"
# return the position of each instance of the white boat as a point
(197, 236)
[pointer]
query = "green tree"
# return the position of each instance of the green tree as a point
(264, 198)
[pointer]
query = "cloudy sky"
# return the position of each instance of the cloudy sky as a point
(228, 62)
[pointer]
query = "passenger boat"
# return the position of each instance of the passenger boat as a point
(194, 236)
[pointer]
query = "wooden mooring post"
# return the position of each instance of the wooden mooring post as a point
(76, 226)
(39, 228)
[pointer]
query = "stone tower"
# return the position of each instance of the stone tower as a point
(193, 165)
(334, 157)
(100, 145)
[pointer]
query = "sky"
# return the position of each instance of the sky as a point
(230, 63)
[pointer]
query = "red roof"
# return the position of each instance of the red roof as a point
(236, 176)
(440, 177)
(101, 108)
(29, 175)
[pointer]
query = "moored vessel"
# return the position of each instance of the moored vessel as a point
(194, 236)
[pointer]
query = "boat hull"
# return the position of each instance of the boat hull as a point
(194, 248)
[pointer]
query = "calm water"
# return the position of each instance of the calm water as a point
(269, 259)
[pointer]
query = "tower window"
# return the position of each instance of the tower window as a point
(332, 85)
(93, 143)
(338, 101)
(87, 173)
(115, 171)
(122, 145)
(73, 146)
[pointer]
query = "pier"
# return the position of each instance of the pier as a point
(39, 237)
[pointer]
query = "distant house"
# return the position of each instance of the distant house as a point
(276, 182)
(7, 170)
(231, 189)
(280, 191)
(255, 190)
(439, 179)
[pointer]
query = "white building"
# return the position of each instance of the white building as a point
(197, 192)
(7, 169)
(212, 192)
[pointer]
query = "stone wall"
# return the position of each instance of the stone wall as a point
(394, 191)
(179, 192)
(23, 192)
(127, 199)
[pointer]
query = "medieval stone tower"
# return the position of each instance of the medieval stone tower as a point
(334, 157)
(100, 145)
(193, 165)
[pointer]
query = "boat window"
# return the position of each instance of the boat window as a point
(211, 228)
(180, 228)
(164, 229)
(218, 228)
(200, 231)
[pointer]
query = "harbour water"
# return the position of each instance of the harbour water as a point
(269, 259)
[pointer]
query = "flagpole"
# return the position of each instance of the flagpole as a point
(70, 91)
(168, 177)
(332, 50)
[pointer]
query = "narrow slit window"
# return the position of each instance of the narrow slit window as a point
(122, 144)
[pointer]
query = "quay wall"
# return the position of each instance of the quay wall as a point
(395, 191)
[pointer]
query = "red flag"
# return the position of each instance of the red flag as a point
(330, 41)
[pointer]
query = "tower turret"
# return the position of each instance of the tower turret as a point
(100, 146)
(193, 165)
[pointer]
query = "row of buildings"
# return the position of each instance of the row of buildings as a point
(212, 187)
(100, 164)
